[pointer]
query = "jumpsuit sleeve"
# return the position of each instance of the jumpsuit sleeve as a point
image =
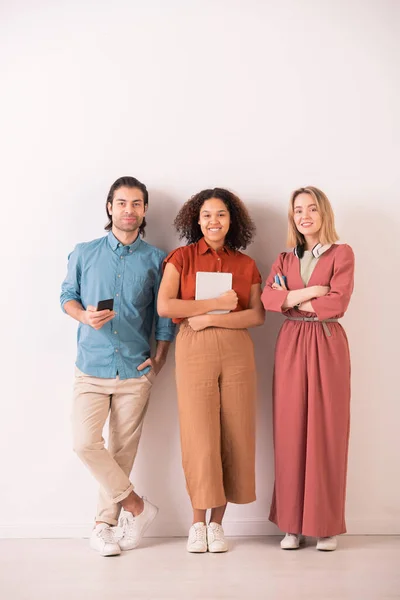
(335, 303)
(274, 299)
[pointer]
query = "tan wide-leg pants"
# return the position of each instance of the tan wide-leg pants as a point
(216, 385)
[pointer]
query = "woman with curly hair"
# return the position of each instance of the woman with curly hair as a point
(215, 369)
(311, 286)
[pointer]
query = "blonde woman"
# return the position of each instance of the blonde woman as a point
(311, 286)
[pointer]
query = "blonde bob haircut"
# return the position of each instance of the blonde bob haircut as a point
(328, 234)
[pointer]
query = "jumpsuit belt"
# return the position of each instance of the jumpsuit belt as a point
(315, 320)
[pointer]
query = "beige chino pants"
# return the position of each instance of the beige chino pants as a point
(126, 402)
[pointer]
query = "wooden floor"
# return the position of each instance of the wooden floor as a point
(362, 568)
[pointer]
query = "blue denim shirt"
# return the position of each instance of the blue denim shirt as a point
(102, 269)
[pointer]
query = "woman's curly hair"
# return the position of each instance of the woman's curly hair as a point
(241, 229)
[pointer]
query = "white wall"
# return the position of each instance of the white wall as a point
(258, 96)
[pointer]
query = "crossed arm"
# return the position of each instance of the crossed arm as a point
(196, 310)
(302, 297)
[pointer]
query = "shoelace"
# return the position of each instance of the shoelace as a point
(218, 533)
(127, 525)
(200, 534)
(107, 535)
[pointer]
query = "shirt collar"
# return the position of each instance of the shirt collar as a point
(204, 247)
(114, 243)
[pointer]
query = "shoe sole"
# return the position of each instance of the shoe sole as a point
(105, 553)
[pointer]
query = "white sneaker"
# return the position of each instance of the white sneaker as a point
(133, 527)
(216, 538)
(197, 540)
(103, 540)
(327, 544)
(292, 541)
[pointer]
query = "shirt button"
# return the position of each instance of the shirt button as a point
(117, 294)
(119, 275)
(116, 349)
(130, 251)
(121, 257)
(115, 332)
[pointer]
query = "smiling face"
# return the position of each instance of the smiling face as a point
(306, 216)
(214, 221)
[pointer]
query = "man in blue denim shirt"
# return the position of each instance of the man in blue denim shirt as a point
(114, 368)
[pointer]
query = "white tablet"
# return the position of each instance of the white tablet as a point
(212, 285)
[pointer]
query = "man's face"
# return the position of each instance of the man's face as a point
(127, 209)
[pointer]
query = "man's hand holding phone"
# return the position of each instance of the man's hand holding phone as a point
(97, 317)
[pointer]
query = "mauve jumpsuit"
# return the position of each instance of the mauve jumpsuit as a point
(311, 398)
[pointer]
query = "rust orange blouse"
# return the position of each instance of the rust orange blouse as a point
(200, 257)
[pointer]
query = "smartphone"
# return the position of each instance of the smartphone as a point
(105, 304)
(277, 279)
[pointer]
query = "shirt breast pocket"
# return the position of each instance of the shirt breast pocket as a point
(138, 291)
